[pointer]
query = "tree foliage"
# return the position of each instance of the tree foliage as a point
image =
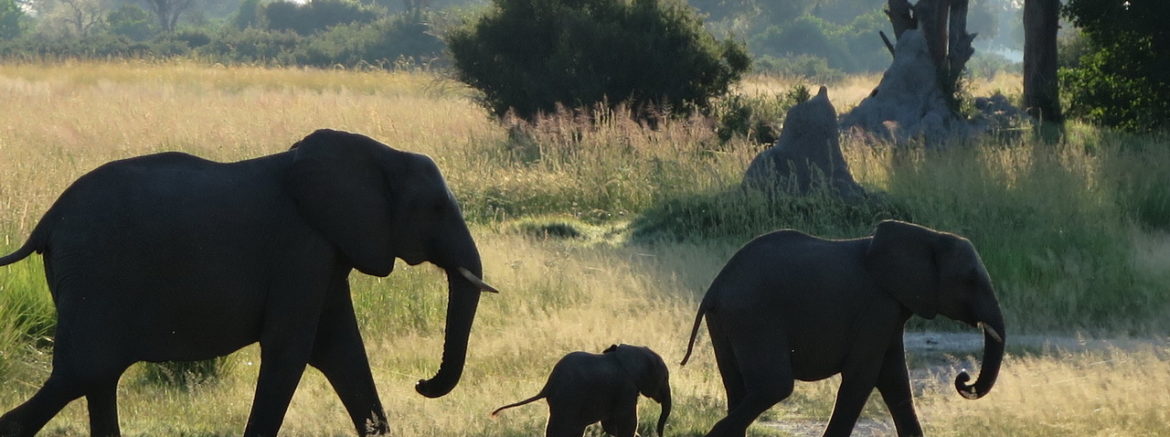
(1123, 79)
(530, 55)
(12, 19)
(131, 22)
(315, 16)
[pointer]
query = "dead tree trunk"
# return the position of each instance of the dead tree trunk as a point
(917, 95)
(1041, 91)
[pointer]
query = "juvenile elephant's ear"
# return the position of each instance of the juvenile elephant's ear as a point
(902, 259)
(643, 365)
(340, 189)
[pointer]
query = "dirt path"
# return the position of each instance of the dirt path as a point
(937, 350)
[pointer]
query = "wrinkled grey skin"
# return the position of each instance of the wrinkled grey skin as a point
(585, 388)
(170, 257)
(789, 306)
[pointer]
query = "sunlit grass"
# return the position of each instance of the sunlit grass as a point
(1073, 234)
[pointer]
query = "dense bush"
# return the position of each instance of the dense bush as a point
(382, 43)
(314, 16)
(756, 118)
(389, 42)
(853, 47)
(1123, 79)
(809, 67)
(248, 15)
(94, 47)
(12, 19)
(132, 22)
(528, 56)
(254, 45)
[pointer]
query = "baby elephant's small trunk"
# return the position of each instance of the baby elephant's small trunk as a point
(665, 401)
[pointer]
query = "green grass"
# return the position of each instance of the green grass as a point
(604, 233)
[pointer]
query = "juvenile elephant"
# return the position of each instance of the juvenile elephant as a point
(585, 388)
(790, 306)
(170, 257)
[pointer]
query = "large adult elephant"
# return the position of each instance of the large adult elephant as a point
(172, 257)
(791, 306)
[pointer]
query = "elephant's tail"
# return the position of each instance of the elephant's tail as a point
(517, 404)
(35, 243)
(694, 332)
(30, 246)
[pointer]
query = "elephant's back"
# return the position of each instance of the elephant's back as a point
(148, 193)
(789, 273)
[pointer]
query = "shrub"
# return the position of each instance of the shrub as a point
(314, 16)
(756, 118)
(12, 19)
(527, 56)
(1123, 80)
(810, 67)
(381, 43)
(132, 22)
(851, 48)
(248, 15)
(185, 374)
(254, 45)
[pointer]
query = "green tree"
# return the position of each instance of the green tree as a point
(1123, 80)
(130, 21)
(530, 55)
(248, 15)
(12, 19)
(167, 12)
(315, 16)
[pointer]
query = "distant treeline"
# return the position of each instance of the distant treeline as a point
(323, 33)
(820, 40)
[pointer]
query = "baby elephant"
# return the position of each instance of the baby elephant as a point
(585, 388)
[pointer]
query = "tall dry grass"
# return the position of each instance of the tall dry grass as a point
(1070, 232)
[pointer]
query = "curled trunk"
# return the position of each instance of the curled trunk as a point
(462, 301)
(994, 337)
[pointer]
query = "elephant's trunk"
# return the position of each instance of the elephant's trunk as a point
(994, 337)
(462, 301)
(665, 414)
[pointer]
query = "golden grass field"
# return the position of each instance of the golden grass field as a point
(558, 295)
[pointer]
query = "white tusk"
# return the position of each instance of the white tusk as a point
(483, 286)
(990, 331)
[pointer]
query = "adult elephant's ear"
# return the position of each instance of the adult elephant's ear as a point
(902, 259)
(340, 190)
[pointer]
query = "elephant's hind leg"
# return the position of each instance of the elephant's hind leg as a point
(728, 366)
(766, 369)
(102, 403)
(341, 356)
(561, 427)
(71, 378)
(32, 415)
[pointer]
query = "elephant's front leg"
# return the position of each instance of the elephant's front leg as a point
(851, 397)
(282, 362)
(102, 403)
(624, 424)
(894, 385)
(340, 355)
(286, 345)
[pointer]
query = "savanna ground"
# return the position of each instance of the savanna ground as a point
(610, 233)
